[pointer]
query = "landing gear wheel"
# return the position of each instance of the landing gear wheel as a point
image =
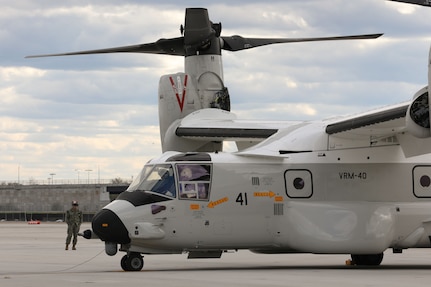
(132, 262)
(124, 263)
(367, 259)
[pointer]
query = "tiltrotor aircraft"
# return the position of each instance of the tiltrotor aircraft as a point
(356, 185)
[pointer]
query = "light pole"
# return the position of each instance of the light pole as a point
(52, 177)
(88, 178)
(77, 170)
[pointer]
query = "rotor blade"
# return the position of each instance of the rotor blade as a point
(237, 43)
(417, 2)
(174, 46)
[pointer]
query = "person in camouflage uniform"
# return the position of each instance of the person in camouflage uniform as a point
(73, 220)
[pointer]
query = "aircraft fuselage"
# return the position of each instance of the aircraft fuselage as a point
(341, 201)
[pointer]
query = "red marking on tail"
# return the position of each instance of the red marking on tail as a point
(174, 87)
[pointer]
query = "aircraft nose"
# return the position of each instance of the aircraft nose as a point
(109, 227)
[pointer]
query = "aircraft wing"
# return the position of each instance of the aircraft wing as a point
(379, 127)
(344, 132)
(385, 126)
(220, 125)
(380, 122)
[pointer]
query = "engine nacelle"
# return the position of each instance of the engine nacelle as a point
(418, 115)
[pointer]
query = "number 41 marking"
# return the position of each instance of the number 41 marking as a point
(242, 198)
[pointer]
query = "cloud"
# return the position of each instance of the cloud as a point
(99, 112)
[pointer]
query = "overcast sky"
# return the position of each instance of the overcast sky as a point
(68, 115)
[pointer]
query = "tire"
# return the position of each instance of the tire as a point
(132, 262)
(124, 263)
(367, 259)
(135, 262)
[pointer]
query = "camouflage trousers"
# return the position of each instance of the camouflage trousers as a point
(72, 231)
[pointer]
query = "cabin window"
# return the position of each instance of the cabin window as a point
(194, 181)
(299, 183)
(422, 181)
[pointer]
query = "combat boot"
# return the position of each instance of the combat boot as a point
(67, 247)
(73, 247)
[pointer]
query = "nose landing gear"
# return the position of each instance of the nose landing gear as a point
(132, 262)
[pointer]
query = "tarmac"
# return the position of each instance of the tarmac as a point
(34, 255)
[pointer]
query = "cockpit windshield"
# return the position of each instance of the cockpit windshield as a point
(155, 178)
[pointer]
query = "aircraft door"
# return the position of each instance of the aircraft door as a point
(193, 186)
(298, 183)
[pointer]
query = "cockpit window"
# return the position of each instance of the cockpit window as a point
(141, 176)
(157, 178)
(194, 181)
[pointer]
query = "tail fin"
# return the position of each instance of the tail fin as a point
(180, 95)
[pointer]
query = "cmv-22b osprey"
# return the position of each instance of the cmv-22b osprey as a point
(357, 185)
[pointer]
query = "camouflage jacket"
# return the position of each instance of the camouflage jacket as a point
(74, 217)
